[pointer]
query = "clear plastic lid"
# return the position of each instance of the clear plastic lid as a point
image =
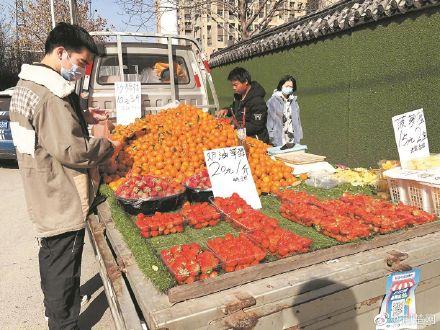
(241, 215)
(280, 242)
(189, 263)
(138, 189)
(342, 228)
(160, 224)
(201, 215)
(236, 252)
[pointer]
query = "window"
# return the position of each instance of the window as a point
(147, 68)
(209, 35)
(220, 32)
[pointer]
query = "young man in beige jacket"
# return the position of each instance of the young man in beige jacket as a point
(58, 163)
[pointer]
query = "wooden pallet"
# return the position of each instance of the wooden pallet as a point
(298, 158)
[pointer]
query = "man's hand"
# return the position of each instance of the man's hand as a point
(111, 166)
(221, 113)
(95, 115)
(116, 144)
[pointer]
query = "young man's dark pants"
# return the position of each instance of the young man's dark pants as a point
(60, 270)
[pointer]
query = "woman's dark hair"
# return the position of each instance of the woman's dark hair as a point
(71, 37)
(240, 74)
(283, 81)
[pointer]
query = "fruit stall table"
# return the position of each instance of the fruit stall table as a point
(336, 287)
(310, 257)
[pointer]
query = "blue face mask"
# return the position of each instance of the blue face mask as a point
(72, 74)
(287, 90)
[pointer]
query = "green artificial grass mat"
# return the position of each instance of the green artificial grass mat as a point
(146, 252)
(143, 250)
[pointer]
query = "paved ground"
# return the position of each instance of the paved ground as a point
(21, 298)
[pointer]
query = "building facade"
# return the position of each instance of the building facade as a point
(215, 27)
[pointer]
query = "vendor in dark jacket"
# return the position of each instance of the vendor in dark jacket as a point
(248, 110)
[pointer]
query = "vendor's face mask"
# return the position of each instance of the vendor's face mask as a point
(287, 90)
(74, 73)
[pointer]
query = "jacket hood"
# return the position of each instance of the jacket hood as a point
(256, 91)
(44, 76)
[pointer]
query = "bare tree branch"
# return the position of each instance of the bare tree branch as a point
(261, 6)
(246, 12)
(268, 18)
(34, 21)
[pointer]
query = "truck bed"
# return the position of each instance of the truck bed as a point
(335, 288)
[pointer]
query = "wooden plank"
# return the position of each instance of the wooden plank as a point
(229, 280)
(120, 302)
(296, 158)
(147, 296)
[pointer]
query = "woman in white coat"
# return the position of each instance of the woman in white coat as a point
(283, 122)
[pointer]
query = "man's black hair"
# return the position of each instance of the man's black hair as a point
(283, 81)
(240, 74)
(71, 37)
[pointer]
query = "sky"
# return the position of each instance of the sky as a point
(115, 15)
(110, 10)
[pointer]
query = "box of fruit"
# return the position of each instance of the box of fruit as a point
(189, 263)
(148, 194)
(198, 187)
(236, 252)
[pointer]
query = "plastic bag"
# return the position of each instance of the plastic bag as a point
(322, 179)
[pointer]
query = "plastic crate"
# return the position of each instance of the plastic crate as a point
(421, 195)
(435, 195)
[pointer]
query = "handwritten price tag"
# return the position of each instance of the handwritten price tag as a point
(411, 135)
(230, 173)
(128, 102)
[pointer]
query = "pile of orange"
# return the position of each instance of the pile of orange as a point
(171, 144)
(269, 175)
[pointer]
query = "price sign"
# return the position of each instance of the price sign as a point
(411, 136)
(128, 102)
(230, 173)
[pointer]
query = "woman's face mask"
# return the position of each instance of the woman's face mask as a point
(72, 74)
(287, 90)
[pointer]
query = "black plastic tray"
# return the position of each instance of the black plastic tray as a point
(148, 207)
(197, 195)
